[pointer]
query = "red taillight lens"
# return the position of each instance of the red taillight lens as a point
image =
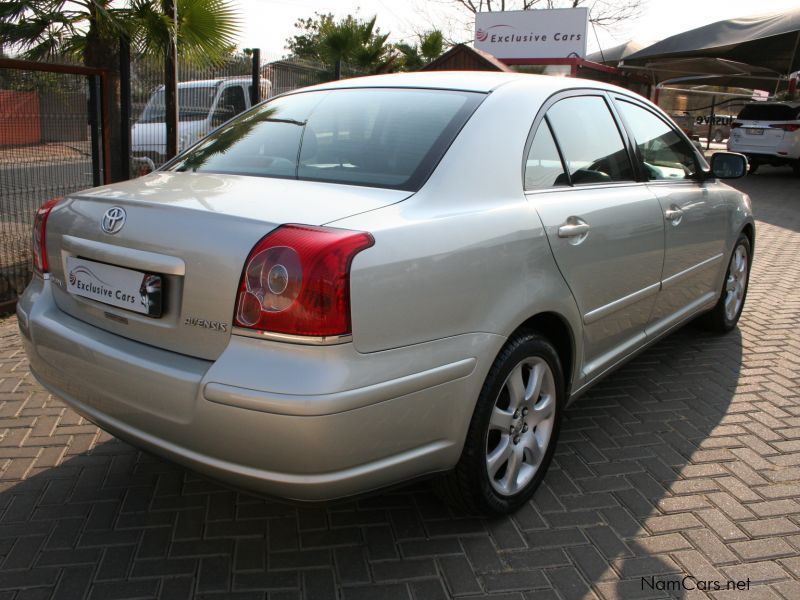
(39, 249)
(735, 125)
(785, 126)
(297, 281)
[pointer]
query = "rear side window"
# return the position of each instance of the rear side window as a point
(665, 154)
(769, 112)
(543, 167)
(380, 137)
(589, 140)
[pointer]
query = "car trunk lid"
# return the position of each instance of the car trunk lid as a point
(192, 230)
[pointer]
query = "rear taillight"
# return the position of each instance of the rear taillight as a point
(296, 281)
(40, 264)
(785, 126)
(735, 125)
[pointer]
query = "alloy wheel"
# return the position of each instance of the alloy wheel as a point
(521, 425)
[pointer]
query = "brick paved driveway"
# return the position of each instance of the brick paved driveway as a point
(685, 462)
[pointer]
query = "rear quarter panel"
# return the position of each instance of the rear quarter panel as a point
(468, 252)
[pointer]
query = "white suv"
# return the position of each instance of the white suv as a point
(768, 133)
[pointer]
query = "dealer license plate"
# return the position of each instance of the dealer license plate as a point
(755, 132)
(116, 286)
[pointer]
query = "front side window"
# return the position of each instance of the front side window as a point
(383, 137)
(664, 154)
(590, 142)
(543, 167)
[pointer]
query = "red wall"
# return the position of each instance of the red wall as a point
(19, 118)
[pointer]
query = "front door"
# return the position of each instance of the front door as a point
(694, 216)
(605, 229)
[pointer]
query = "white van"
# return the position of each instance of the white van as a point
(202, 106)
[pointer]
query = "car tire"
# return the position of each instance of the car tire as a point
(725, 314)
(753, 168)
(512, 436)
(796, 167)
(717, 136)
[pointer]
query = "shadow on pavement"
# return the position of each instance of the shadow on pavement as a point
(775, 192)
(114, 522)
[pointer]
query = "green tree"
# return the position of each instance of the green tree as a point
(90, 30)
(353, 41)
(430, 46)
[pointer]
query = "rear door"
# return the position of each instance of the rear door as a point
(694, 211)
(606, 229)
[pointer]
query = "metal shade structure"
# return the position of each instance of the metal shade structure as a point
(612, 56)
(707, 71)
(770, 41)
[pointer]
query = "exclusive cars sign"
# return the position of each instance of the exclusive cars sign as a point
(540, 33)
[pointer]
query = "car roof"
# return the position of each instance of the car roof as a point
(213, 82)
(472, 81)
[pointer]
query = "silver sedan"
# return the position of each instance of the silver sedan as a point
(373, 280)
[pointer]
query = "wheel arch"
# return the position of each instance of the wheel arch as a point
(557, 330)
(750, 231)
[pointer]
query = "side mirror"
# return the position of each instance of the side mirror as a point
(728, 165)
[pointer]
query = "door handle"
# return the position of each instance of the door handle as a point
(570, 230)
(673, 215)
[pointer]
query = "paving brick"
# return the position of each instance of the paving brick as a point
(762, 549)
(678, 522)
(769, 527)
(514, 580)
(658, 544)
(711, 546)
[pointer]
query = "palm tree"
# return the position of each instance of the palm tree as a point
(349, 40)
(429, 47)
(90, 30)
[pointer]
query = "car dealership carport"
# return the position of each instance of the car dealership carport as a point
(761, 47)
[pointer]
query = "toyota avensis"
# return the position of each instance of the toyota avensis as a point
(373, 280)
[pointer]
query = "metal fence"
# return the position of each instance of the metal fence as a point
(52, 141)
(208, 96)
(45, 151)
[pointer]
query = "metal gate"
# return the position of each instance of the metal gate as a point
(53, 141)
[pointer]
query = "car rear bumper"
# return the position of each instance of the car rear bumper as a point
(776, 155)
(772, 159)
(358, 422)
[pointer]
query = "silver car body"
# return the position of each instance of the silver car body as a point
(456, 268)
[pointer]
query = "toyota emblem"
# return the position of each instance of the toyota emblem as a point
(113, 220)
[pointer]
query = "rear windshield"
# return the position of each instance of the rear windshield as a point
(769, 112)
(379, 137)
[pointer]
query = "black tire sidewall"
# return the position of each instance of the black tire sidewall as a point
(517, 349)
(727, 323)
